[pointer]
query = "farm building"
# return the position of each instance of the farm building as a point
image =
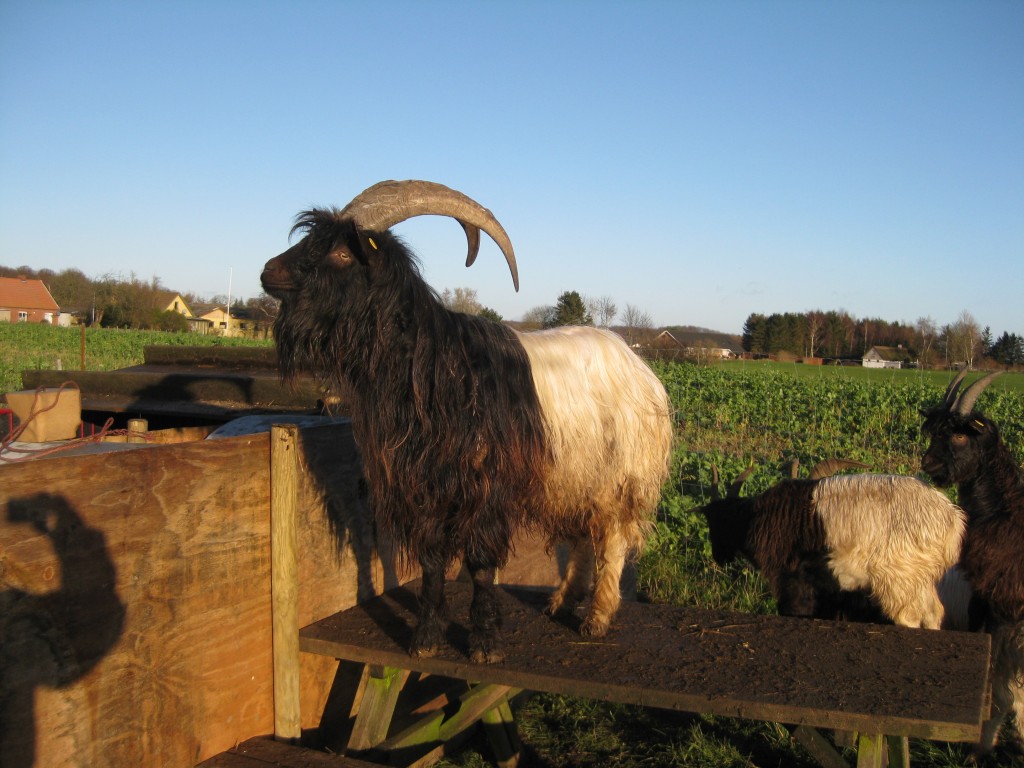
(26, 301)
(887, 357)
(217, 319)
(697, 344)
(169, 301)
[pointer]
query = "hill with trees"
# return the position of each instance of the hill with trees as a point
(837, 335)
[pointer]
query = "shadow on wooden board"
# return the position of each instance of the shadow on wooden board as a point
(53, 639)
(135, 622)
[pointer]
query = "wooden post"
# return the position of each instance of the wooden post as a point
(871, 750)
(137, 429)
(284, 486)
(383, 684)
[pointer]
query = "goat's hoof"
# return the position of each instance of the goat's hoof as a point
(485, 651)
(422, 651)
(480, 656)
(592, 628)
(426, 642)
(561, 608)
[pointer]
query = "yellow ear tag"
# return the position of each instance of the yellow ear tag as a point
(979, 424)
(372, 243)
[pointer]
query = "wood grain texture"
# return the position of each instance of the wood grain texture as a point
(862, 677)
(135, 597)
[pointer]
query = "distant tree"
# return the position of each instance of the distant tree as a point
(634, 320)
(815, 326)
(785, 332)
(925, 331)
(963, 339)
(461, 300)
(602, 309)
(1008, 349)
(72, 290)
(539, 317)
(835, 333)
(570, 310)
(986, 340)
(491, 314)
(754, 333)
(167, 320)
(263, 309)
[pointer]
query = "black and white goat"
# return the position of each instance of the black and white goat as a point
(821, 543)
(966, 450)
(469, 430)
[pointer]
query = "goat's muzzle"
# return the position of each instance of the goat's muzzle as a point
(935, 468)
(276, 279)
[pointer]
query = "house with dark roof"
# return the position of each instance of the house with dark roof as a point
(887, 357)
(26, 301)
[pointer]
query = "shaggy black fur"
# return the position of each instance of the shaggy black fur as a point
(443, 407)
(969, 453)
(778, 532)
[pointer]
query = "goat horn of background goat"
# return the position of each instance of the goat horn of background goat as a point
(388, 203)
(950, 396)
(716, 493)
(737, 485)
(830, 467)
(965, 403)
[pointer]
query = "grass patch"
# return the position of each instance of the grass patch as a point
(730, 415)
(733, 415)
(28, 347)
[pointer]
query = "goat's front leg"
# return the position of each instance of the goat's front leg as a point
(433, 614)
(484, 615)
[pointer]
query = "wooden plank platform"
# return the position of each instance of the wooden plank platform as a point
(261, 752)
(852, 677)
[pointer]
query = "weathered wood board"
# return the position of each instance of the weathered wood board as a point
(135, 596)
(135, 623)
(859, 677)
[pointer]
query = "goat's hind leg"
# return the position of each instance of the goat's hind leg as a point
(578, 579)
(432, 622)
(611, 559)
(484, 615)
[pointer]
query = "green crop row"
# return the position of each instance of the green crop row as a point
(731, 416)
(26, 347)
(728, 416)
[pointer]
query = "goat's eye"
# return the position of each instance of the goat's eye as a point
(958, 439)
(340, 256)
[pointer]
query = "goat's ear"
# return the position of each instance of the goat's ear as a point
(977, 425)
(367, 247)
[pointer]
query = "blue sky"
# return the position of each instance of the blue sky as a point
(697, 160)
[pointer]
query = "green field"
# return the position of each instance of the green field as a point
(732, 415)
(25, 347)
(729, 415)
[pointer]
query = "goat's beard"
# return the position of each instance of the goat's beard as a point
(303, 342)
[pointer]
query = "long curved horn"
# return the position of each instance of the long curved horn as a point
(965, 403)
(832, 466)
(388, 203)
(951, 390)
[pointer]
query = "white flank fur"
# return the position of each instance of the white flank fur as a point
(893, 535)
(609, 433)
